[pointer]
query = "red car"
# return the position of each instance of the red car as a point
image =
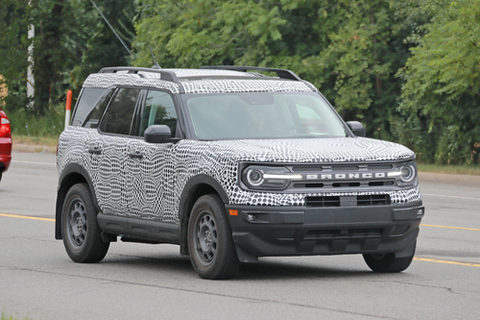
(5, 143)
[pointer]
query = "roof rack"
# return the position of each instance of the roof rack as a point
(166, 75)
(281, 73)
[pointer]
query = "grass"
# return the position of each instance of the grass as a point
(4, 317)
(24, 123)
(34, 141)
(450, 169)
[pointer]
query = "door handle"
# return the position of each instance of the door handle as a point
(95, 150)
(135, 155)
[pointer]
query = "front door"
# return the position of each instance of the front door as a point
(148, 171)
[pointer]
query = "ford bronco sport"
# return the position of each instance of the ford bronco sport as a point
(231, 165)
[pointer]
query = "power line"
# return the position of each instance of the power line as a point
(124, 45)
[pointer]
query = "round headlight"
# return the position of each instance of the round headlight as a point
(408, 173)
(254, 177)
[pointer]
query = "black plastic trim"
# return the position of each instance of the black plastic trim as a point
(166, 74)
(141, 230)
(288, 231)
(191, 191)
(281, 73)
(69, 171)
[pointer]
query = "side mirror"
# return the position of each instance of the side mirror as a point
(159, 133)
(357, 128)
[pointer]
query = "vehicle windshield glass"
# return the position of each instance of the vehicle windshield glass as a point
(261, 115)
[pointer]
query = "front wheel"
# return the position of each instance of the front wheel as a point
(210, 243)
(387, 262)
(81, 235)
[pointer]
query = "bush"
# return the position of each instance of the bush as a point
(454, 147)
(412, 132)
(24, 122)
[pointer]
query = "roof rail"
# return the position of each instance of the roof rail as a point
(281, 73)
(166, 74)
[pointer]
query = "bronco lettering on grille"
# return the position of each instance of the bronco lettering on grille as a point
(345, 176)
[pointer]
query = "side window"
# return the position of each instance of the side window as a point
(119, 114)
(95, 115)
(87, 101)
(159, 109)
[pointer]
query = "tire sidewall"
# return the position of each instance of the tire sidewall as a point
(225, 261)
(91, 248)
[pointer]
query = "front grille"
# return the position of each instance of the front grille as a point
(322, 202)
(347, 176)
(364, 200)
(347, 233)
(345, 184)
(308, 185)
(373, 200)
(342, 167)
(380, 183)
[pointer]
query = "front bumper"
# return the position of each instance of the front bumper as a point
(287, 231)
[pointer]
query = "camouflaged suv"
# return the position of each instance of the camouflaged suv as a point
(231, 165)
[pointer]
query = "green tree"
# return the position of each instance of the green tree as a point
(442, 89)
(49, 18)
(100, 46)
(196, 32)
(71, 40)
(351, 50)
(357, 69)
(13, 50)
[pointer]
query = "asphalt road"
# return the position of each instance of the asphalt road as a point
(138, 281)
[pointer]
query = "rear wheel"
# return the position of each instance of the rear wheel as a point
(81, 235)
(210, 243)
(387, 262)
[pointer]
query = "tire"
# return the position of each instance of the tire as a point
(81, 235)
(211, 248)
(387, 263)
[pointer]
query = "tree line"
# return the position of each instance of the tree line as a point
(408, 69)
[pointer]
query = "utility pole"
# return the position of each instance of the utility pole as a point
(30, 78)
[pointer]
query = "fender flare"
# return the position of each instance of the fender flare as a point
(198, 185)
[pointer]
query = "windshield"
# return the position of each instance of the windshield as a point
(260, 115)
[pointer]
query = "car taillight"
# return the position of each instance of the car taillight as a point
(5, 130)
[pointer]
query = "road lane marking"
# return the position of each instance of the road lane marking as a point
(25, 217)
(448, 227)
(477, 265)
(444, 196)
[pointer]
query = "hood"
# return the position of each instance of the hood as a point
(311, 150)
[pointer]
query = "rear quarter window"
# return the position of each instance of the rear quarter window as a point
(89, 97)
